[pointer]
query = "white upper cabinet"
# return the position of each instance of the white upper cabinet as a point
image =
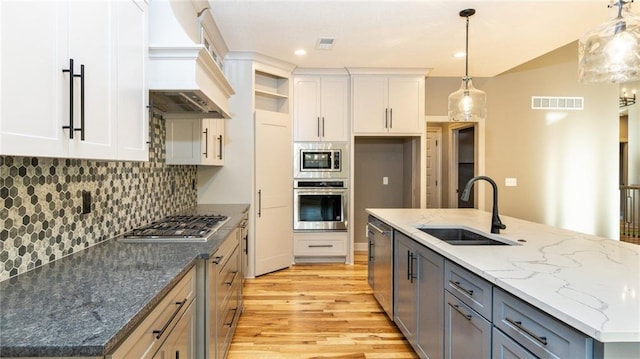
(195, 141)
(388, 104)
(52, 109)
(321, 109)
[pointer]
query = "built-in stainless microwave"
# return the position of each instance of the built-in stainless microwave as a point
(320, 160)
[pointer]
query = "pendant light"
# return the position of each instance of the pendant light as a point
(468, 103)
(611, 51)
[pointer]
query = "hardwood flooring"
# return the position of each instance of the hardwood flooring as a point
(315, 311)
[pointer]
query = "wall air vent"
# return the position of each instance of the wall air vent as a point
(557, 103)
(325, 43)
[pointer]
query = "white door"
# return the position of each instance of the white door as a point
(131, 54)
(306, 109)
(33, 53)
(370, 97)
(274, 192)
(335, 109)
(91, 43)
(434, 156)
(404, 104)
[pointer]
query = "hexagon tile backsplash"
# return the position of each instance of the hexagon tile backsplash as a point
(41, 216)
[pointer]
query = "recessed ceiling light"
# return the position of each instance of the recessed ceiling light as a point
(459, 54)
(300, 52)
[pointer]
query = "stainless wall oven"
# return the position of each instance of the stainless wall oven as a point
(320, 160)
(320, 205)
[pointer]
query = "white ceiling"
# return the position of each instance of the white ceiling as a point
(418, 34)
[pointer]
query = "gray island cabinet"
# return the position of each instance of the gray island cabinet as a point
(541, 297)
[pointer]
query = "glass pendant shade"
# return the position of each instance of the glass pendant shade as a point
(611, 52)
(468, 103)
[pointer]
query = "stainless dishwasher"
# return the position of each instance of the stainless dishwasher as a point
(380, 263)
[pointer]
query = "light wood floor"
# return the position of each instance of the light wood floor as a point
(316, 311)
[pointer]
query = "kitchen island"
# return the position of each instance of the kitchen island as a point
(590, 283)
(86, 304)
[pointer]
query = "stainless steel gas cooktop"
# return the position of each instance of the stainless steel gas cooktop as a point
(180, 228)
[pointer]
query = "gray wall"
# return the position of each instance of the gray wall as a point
(41, 220)
(375, 158)
(566, 162)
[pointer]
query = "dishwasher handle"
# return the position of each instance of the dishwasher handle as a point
(386, 233)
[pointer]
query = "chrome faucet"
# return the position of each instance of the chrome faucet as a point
(496, 223)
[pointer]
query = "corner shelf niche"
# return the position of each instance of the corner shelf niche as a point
(271, 92)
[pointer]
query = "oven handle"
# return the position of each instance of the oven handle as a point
(320, 191)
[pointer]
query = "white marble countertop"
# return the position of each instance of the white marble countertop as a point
(589, 282)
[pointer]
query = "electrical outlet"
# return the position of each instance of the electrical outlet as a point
(510, 182)
(385, 180)
(86, 202)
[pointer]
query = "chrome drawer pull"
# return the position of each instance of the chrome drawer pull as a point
(518, 324)
(460, 287)
(159, 333)
(457, 308)
(320, 245)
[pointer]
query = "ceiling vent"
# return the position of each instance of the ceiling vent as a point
(557, 103)
(325, 43)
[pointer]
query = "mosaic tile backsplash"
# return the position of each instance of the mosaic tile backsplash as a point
(41, 216)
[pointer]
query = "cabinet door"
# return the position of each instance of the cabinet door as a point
(430, 306)
(33, 87)
(180, 343)
(370, 98)
(92, 44)
(334, 114)
(131, 55)
(466, 333)
(184, 142)
(504, 347)
(217, 141)
(306, 109)
(274, 192)
(405, 288)
(406, 104)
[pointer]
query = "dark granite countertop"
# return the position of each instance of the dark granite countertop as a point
(86, 303)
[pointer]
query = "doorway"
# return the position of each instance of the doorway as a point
(434, 167)
(462, 164)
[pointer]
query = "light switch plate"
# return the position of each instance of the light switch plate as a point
(385, 180)
(510, 182)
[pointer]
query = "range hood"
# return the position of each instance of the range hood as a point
(186, 79)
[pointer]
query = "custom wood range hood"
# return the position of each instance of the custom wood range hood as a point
(184, 77)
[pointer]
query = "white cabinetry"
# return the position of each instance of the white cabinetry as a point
(195, 141)
(73, 80)
(321, 110)
(388, 104)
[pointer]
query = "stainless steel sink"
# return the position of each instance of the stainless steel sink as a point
(462, 237)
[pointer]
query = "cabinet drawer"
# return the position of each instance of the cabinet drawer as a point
(540, 333)
(228, 275)
(505, 348)
(145, 340)
(469, 288)
(466, 333)
(320, 247)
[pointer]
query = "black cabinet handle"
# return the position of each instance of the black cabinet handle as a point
(518, 324)
(412, 265)
(391, 118)
(386, 118)
(217, 260)
(81, 129)
(159, 333)
(206, 143)
(318, 122)
(457, 308)
(259, 203)
(71, 92)
(233, 279)
(220, 155)
(372, 256)
(408, 265)
(460, 287)
(233, 311)
(323, 126)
